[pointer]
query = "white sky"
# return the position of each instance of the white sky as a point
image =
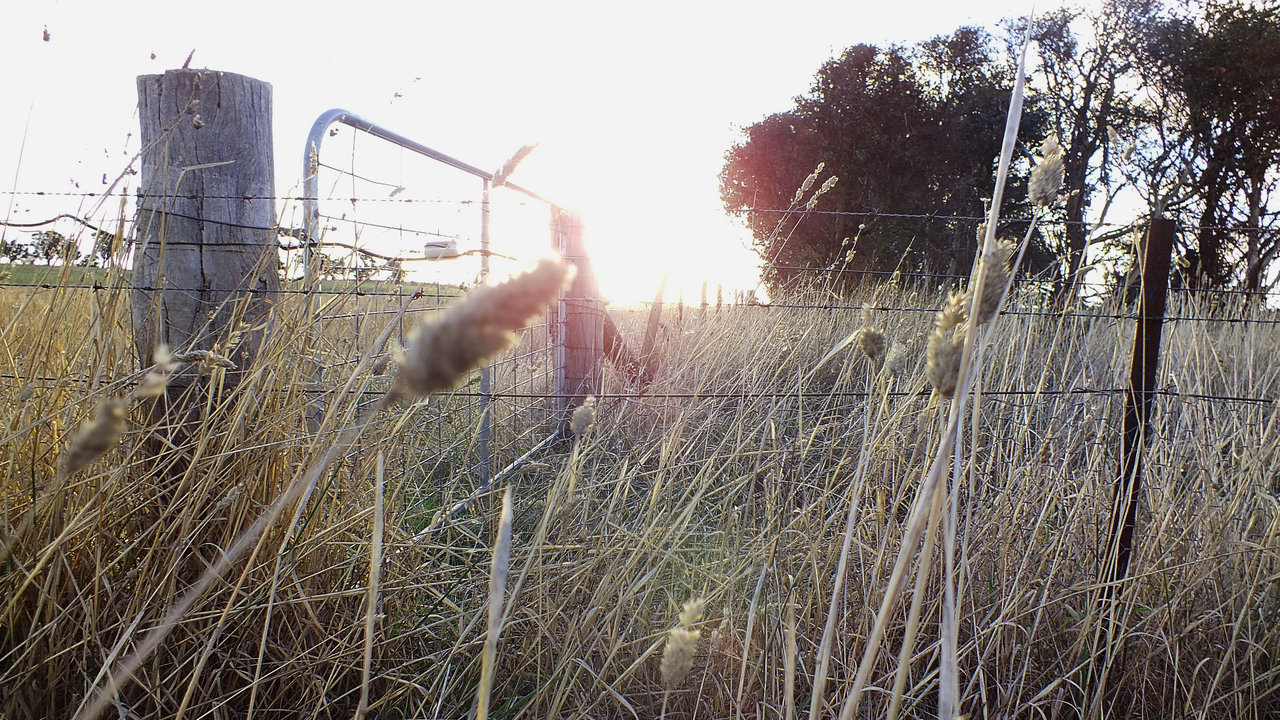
(634, 105)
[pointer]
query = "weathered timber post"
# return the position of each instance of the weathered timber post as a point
(206, 258)
(580, 357)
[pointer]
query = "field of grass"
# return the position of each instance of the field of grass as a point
(222, 567)
(23, 274)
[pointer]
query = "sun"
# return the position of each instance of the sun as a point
(644, 231)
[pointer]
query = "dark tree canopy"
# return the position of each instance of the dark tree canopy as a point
(50, 245)
(908, 131)
(1216, 68)
(1178, 100)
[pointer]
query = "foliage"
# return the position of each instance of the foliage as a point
(1175, 101)
(50, 245)
(14, 251)
(908, 131)
(1215, 118)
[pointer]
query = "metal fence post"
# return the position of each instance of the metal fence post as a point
(1139, 396)
(486, 373)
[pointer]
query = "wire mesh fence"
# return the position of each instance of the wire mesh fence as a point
(396, 235)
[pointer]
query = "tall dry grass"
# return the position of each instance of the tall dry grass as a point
(739, 539)
(728, 479)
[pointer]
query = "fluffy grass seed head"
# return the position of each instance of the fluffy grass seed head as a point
(442, 352)
(873, 345)
(583, 418)
(677, 655)
(871, 340)
(895, 362)
(946, 346)
(995, 266)
(808, 183)
(942, 366)
(157, 379)
(692, 612)
(954, 313)
(96, 437)
(1046, 178)
(826, 186)
(508, 167)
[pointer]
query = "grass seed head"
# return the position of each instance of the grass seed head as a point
(873, 344)
(808, 183)
(508, 167)
(942, 367)
(677, 655)
(1050, 146)
(157, 379)
(826, 185)
(442, 352)
(1046, 178)
(584, 417)
(95, 437)
(954, 313)
(895, 362)
(691, 613)
(946, 346)
(995, 266)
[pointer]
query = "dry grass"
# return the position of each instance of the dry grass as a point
(246, 557)
(267, 541)
(730, 480)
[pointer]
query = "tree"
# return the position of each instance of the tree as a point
(1214, 116)
(14, 251)
(1075, 82)
(51, 245)
(103, 242)
(912, 135)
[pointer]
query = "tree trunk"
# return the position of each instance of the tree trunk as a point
(1253, 232)
(1209, 235)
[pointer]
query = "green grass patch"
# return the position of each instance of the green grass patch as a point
(51, 274)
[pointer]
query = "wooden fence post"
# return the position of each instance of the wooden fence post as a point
(206, 258)
(580, 358)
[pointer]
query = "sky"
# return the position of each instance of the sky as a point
(632, 106)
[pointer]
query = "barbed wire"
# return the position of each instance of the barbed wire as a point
(978, 218)
(872, 214)
(799, 269)
(898, 274)
(360, 293)
(1172, 393)
(408, 289)
(299, 234)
